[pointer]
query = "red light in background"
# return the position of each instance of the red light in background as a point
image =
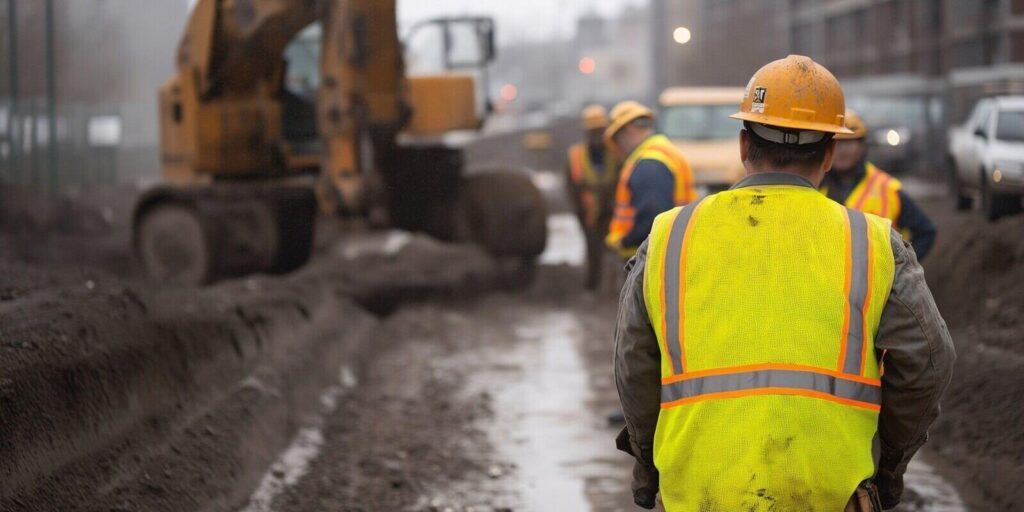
(508, 92)
(587, 65)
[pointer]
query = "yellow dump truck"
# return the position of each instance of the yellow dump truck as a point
(697, 121)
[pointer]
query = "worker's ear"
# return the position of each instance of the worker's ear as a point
(830, 153)
(743, 145)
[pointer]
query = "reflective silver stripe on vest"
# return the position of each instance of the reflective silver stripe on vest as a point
(760, 379)
(858, 291)
(672, 272)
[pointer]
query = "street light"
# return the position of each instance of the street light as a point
(587, 65)
(681, 35)
(508, 92)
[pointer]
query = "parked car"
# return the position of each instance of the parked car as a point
(902, 130)
(986, 157)
(697, 121)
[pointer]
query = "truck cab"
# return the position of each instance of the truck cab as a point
(697, 120)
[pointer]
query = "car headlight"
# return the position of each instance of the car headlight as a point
(892, 136)
(1006, 167)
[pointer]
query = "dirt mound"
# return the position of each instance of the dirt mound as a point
(975, 271)
(981, 267)
(113, 394)
(128, 397)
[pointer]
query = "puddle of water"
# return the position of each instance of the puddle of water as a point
(566, 244)
(564, 460)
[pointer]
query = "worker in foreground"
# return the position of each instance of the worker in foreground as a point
(655, 176)
(857, 183)
(591, 182)
(754, 325)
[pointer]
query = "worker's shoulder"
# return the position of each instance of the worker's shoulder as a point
(575, 147)
(891, 180)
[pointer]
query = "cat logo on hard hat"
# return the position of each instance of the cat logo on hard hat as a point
(757, 105)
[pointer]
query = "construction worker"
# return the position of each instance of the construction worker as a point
(655, 176)
(857, 183)
(754, 325)
(591, 181)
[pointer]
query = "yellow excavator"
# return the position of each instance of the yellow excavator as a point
(281, 108)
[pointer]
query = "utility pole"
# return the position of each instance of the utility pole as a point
(51, 98)
(13, 120)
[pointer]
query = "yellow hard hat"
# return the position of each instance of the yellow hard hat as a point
(594, 117)
(795, 94)
(624, 113)
(854, 123)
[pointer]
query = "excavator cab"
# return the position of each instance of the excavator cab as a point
(282, 108)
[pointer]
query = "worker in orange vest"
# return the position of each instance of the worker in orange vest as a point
(856, 183)
(591, 181)
(655, 176)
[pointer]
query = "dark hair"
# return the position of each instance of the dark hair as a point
(785, 155)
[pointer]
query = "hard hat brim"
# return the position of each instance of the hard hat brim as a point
(850, 136)
(618, 124)
(791, 124)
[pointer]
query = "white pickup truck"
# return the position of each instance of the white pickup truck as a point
(986, 157)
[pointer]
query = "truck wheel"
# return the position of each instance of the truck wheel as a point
(994, 205)
(962, 201)
(172, 244)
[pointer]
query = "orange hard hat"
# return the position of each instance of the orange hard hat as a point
(594, 117)
(624, 113)
(796, 95)
(855, 124)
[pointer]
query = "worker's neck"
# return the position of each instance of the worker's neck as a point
(638, 138)
(814, 177)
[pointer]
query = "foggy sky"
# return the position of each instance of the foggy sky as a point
(518, 21)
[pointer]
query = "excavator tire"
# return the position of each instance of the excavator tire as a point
(505, 213)
(172, 245)
(202, 234)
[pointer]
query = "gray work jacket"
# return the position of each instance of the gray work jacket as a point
(918, 362)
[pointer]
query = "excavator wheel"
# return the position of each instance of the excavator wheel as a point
(172, 245)
(505, 213)
(198, 235)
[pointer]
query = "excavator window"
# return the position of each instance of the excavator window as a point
(298, 97)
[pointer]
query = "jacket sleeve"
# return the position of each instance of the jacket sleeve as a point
(652, 186)
(917, 353)
(637, 361)
(922, 231)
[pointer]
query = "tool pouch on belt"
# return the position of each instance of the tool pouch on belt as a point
(865, 499)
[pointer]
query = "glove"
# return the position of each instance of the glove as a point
(645, 485)
(645, 475)
(890, 488)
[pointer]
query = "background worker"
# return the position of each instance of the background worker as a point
(591, 182)
(857, 183)
(655, 176)
(753, 324)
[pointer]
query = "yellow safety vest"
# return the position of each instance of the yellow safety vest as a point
(766, 301)
(656, 147)
(583, 174)
(877, 193)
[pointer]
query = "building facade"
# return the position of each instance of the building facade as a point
(917, 66)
